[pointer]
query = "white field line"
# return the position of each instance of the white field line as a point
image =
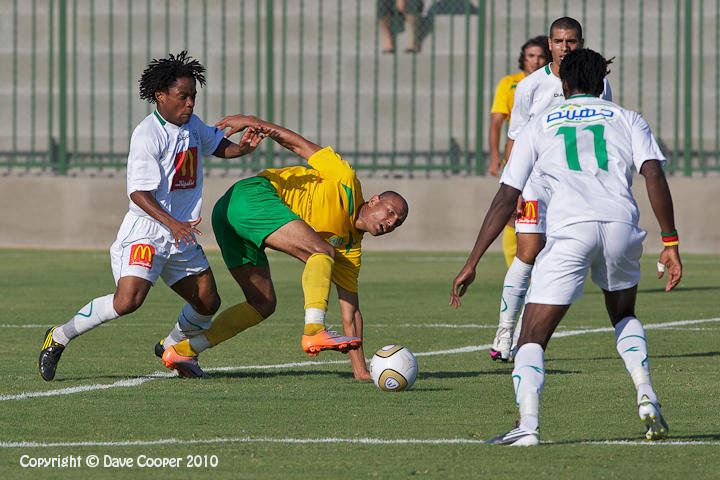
(365, 441)
(133, 382)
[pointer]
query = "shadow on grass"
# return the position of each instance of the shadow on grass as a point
(635, 438)
(678, 355)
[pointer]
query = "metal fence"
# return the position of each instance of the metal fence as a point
(318, 67)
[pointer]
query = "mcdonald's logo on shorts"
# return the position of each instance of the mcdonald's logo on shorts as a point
(529, 213)
(186, 166)
(142, 255)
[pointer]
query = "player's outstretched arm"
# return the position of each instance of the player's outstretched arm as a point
(248, 142)
(353, 327)
(287, 138)
(500, 211)
(662, 205)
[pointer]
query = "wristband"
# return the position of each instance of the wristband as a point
(670, 239)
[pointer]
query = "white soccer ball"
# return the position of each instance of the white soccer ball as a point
(393, 368)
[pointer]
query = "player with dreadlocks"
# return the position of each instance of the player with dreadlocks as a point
(157, 236)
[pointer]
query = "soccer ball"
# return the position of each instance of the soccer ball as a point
(393, 368)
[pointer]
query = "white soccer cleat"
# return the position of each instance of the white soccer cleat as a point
(502, 344)
(517, 437)
(657, 427)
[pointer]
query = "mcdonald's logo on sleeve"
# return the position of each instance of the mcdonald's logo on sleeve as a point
(186, 167)
(142, 255)
(529, 213)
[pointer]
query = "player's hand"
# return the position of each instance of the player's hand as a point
(670, 261)
(185, 231)
(236, 123)
(460, 285)
(494, 167)
(250, 140)
(519, 208)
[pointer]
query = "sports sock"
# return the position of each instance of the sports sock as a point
(99, 310)
(632, 346)
(515, 286)
(528, 378)
(226, 325)
(316, 287)
(509, 244)
(189, 324)
(314, 321)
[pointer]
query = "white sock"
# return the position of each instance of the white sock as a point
(515, 286)
(189, 324)
(199, 343)
(99, 310)
(528, 378)
(632, 347)
(314, 315)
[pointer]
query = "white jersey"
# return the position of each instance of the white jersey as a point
(167, 160)
(536, 93)
(583, 151)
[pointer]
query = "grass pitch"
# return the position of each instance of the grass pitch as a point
(271, 412)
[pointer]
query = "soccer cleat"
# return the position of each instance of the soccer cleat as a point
(187, 366)
(517, 437)
(328, 340)
(502, 344)
(49, 356)
(657, 427)
(159, 349)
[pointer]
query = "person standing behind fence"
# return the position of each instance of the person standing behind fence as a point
(388, 12)
(157, 236)
(534, 54)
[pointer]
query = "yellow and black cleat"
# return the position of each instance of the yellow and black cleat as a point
(159, 348)
(49, 356)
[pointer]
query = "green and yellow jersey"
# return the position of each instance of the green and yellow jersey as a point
(326, 196)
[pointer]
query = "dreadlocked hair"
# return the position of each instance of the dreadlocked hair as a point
(161, 74)
(584, 70)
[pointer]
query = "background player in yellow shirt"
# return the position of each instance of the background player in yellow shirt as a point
(534, 54)
(319, 216)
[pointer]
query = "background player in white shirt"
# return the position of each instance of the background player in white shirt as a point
(584, 149)
(534, 94)
(157, 236)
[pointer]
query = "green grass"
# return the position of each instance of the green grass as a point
(588, 397)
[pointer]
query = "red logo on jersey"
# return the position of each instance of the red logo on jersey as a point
(529, 213)
(142, 255)
(186, 164)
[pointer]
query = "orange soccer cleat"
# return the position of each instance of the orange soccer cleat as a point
(187, 366)
(328, 340)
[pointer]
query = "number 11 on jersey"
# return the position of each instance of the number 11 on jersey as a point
(571, 151)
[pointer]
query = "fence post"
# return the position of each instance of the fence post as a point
(269, 76)
(687, 141)
(62, 89)
(480, 106)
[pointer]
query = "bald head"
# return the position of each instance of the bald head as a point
(382, 214)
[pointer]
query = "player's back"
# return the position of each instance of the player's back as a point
(585, 149)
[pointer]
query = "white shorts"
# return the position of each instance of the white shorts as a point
(534, 209)
(146, 249)
(611, 250)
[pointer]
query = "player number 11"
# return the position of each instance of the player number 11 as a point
(571, 151)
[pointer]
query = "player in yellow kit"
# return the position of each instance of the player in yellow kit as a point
(315, 214)
(534, 54)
